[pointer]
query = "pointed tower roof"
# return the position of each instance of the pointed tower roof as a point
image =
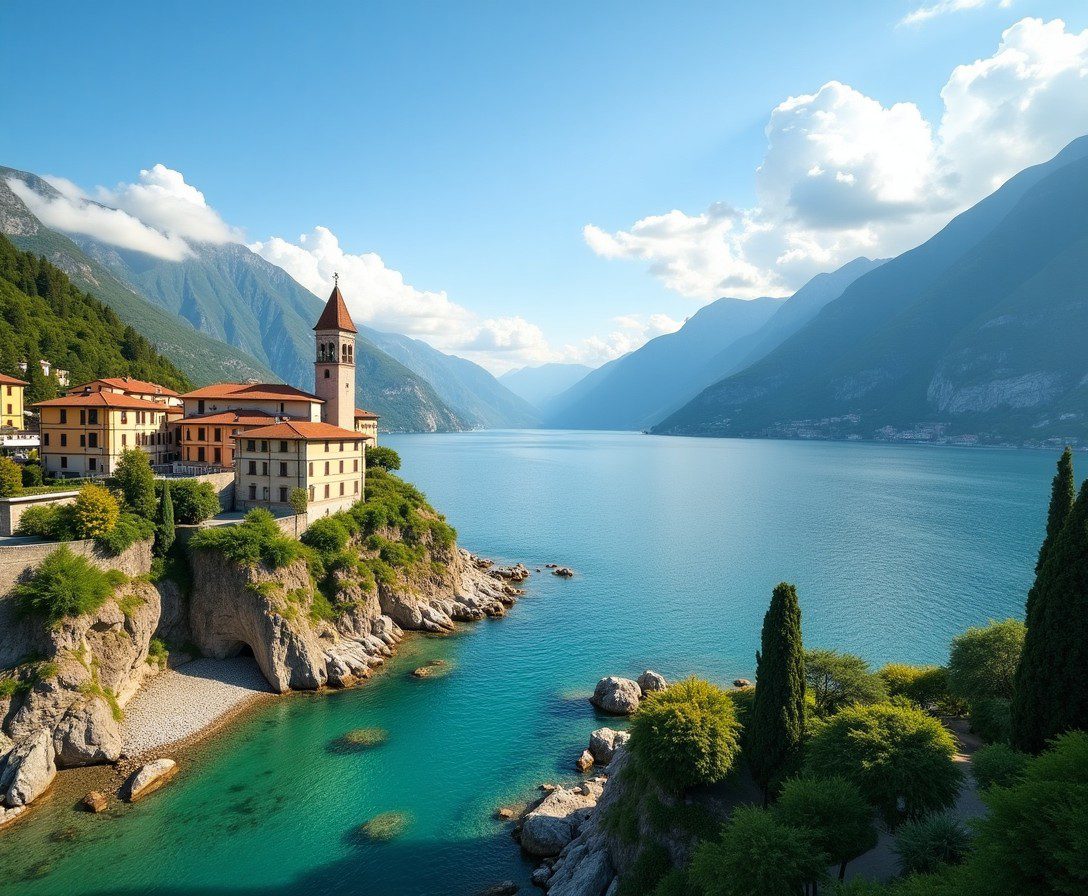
(335, 316)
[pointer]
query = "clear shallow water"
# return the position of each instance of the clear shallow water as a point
(677, 544)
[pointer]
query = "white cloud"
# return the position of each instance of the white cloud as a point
(631, 331)
(845, 175)
(944, 7)
(72, 213)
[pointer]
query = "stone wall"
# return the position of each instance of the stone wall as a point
(18, 560)
(12, 509)
(223, 483)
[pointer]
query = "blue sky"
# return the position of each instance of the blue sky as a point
(468, 145)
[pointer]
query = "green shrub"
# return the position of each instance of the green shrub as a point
(64, 585)
(982, 661)
(95, 512)
(256, 540)
(11, 478)
(686, 735)
(675, 883)
(327, 535)
(32, 475)
(743, 700)
(836, 812)
(136, 482)
(925, 845)
(838, 679)
(991, 720)
(53, 522)
(927, 686)
(650, 865)
(382, 457)
(299, 500)
(998, 765)
(757, 855)
(194, 501)
(900, 758)
(129, 529)
(157, 654)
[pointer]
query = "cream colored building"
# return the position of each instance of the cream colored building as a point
(366, 424)
(11, 402)
(127, 385)
(83, 435)
(325, 461)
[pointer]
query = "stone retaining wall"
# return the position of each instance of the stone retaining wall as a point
(12, 509)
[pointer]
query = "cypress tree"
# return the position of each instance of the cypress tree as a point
(164, 529)
(1051, 687)
(778, 712)
(1063, 492)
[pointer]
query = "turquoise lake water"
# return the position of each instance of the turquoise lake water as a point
(677, 544)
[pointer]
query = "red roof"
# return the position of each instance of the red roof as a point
(300, 429)
(12, 381)
(360, 414)
(235, 418)
(335, 316)
(259, 391)
(128, 384)
(107, 400)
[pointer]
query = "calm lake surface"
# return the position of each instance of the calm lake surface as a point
(677, 544)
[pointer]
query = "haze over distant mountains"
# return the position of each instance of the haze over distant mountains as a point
(983, 328)
(539, 385)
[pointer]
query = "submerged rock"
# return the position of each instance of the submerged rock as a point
(433, 669)
(564, 572)
(385, 827)
(95, 801)
(148, 778)
(618, 696)
(506, 888)
(360, 739)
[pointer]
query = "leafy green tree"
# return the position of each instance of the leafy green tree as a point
(923, 846)
(326, 535)
(299, 500)
(1051, 685)
(382, 457)
(95, 512)
(165, 533)
(32, 475)
(997, 765)
(1034, 839)
(758, 855)
(134, 478)
(778, 713)
(685, 735)
(835, 680)
(925, 685)
(900, 758)
(836, 813)
(11, 478)
(983, 660)
(194, 501)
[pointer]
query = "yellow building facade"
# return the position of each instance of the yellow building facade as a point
(11, 402)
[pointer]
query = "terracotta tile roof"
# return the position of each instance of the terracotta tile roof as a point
(259, 391)
(107, 400)
(300, 429)
(360, 414)
(232, 418)
(12, 381)
(335, 316)
(128, 384)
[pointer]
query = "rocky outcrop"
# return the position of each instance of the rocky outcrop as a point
(556, 820)
(650, 681)
(148, 778)
(604, 742)
(618, 696)
(28, 770)
(88, 734)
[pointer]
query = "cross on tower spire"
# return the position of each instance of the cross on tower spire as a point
(335, 280)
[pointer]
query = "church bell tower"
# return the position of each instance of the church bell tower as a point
(334, 369)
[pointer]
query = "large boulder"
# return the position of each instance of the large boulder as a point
(618, 696)
(557, 819)
(650, 681)
(87, 735)
(148, 778)
(604, 742)
(29, 770)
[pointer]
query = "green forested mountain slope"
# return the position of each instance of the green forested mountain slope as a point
(640, 388)
(43, 315)
(983, 328)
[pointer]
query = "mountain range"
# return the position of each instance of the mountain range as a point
(539, 385)
(980, 331)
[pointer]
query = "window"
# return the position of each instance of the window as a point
(356, 486)
(64, 440)
(93, 464)
(253, 493)
(326, 447)
(46, 439)
(356, 468)
(218, 456)
(200, 454)
(283, 468)
(63, 415)
(354, 446)
(282, 411)
(82, 418)
(341, 488)
(140, 418)
(10, 411)
(200, 434)
(264, 468)
(124, 416)
(252, 468)
(264, 446)
(341, 446)
(326, 489)
(326, 468)
(64, 463)
(251, 445)
(310, 469)
(124, 440)
(283, 447)
(311, 492)
(200, 406)
(283, 495)
(92, 440)
(82, 441)
(341, 466)
(218, 434)
(326, 373)
(92, 417)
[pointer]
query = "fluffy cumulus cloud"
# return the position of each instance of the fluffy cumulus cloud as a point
(844, 175)
(160, 214)
(630, 331)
